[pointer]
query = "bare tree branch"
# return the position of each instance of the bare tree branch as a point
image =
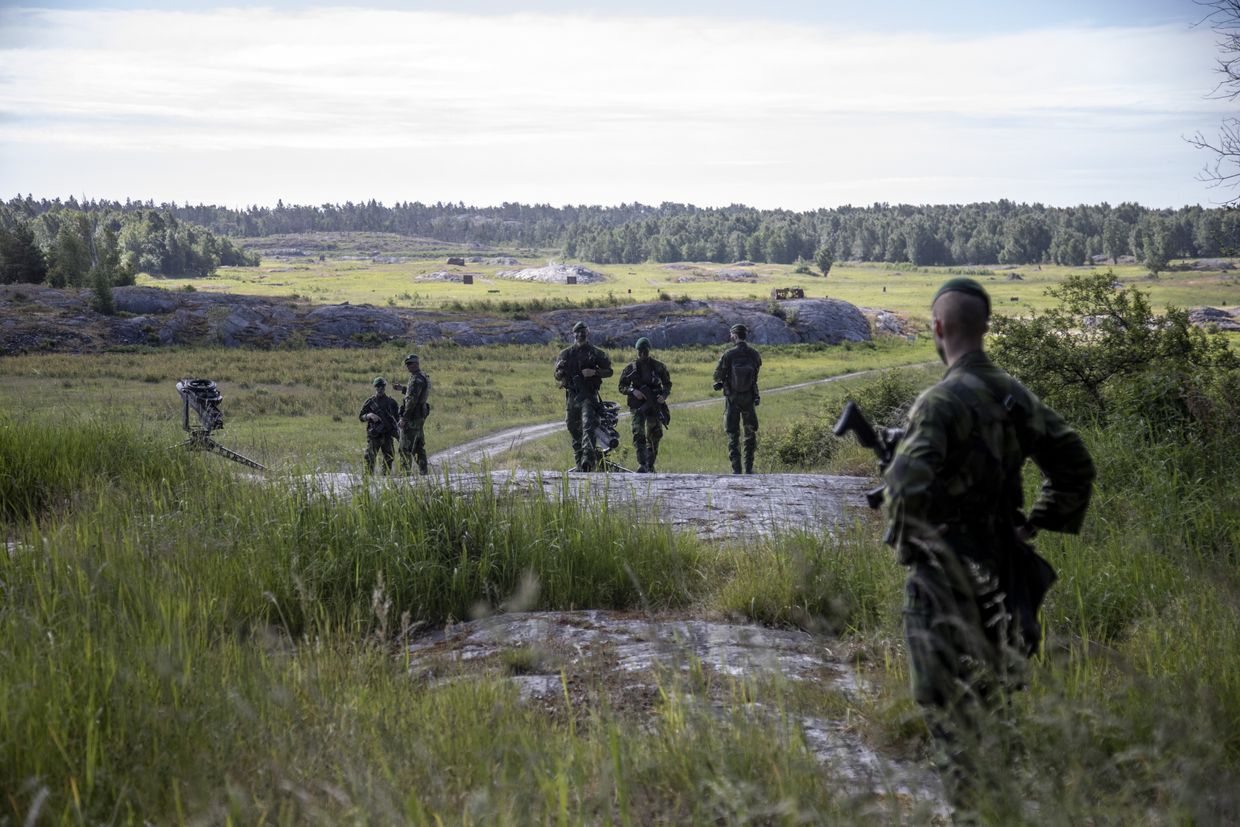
(1223, 18)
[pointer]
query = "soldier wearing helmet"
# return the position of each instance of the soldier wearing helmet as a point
(737, 376)
(647, 384)
(413, 413)
(580, 370)
(380, 414)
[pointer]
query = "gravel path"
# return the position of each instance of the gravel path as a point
(489, 446)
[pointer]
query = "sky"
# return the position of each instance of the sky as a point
(778, 104)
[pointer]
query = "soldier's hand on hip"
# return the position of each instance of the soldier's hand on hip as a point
(638, 394)
(588, 372)
(660, 399)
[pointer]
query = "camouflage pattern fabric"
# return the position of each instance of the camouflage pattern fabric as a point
(954, 500)
(647, 434)
(647, 429)
(375, 445)
(380, 435)
(413, 423)
(581, 416)
(581, 397)
(739, 407)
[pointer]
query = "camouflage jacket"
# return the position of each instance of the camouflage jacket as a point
(959, 463)
(645, 372)
(385, 406)
(573, 360)
(416, 392)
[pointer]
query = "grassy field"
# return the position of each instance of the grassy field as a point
(177, 646)
(899, 288)
(299, 407)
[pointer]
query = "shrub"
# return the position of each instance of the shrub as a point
(805, 444)
(1084, 356)
(887, 399)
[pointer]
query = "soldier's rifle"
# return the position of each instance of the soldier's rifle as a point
(882, 442)
(652, 407)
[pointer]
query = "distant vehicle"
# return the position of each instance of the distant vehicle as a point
(781, 293)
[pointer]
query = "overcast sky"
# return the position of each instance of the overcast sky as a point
(773, 104)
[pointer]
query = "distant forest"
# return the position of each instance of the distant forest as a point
(998, 232)
(102, 245)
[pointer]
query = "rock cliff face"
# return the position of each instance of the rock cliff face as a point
(34, 318)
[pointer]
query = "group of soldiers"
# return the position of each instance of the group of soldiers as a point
(954, 506)
(386, 421)
(581, 368)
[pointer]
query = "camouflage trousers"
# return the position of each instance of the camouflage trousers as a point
(413, 445)
(739, 409)
(962, 666)
(647, 433)
(376, 444)
(581, 417)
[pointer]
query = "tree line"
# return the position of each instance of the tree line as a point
(68, 245)
(996, 232)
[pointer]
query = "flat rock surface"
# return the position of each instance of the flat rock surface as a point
(633, 659)
(712, 506)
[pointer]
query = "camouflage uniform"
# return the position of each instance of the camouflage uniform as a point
(379, 435)
(739, 406)
(954, 500)
(651, 374)
(413, 413)
(581, 397)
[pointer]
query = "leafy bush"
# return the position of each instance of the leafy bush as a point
(1085, 356)
(805, 444)
(887, 399)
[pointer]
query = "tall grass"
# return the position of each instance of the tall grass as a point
(179, 644)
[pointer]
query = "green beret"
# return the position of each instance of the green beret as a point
(964, 285)
(379, 382)
(580, 326)
(739, 329)
(643, 342)
(412, 357)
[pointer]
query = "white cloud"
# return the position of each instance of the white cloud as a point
(569, 104)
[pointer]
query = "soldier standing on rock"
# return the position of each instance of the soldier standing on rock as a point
(954, 501)
(737, 376)
(580, 370)
(379, 412)
(647, 384)
(413, 415)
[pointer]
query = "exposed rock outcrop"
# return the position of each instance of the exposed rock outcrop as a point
(1222, 318)
(554, 274)
(34, 318)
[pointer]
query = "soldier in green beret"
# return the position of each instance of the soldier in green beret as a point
(413, 413)
(580, 370)
(736, 375)
(954, 509)
(646, 383)
(380, 413)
